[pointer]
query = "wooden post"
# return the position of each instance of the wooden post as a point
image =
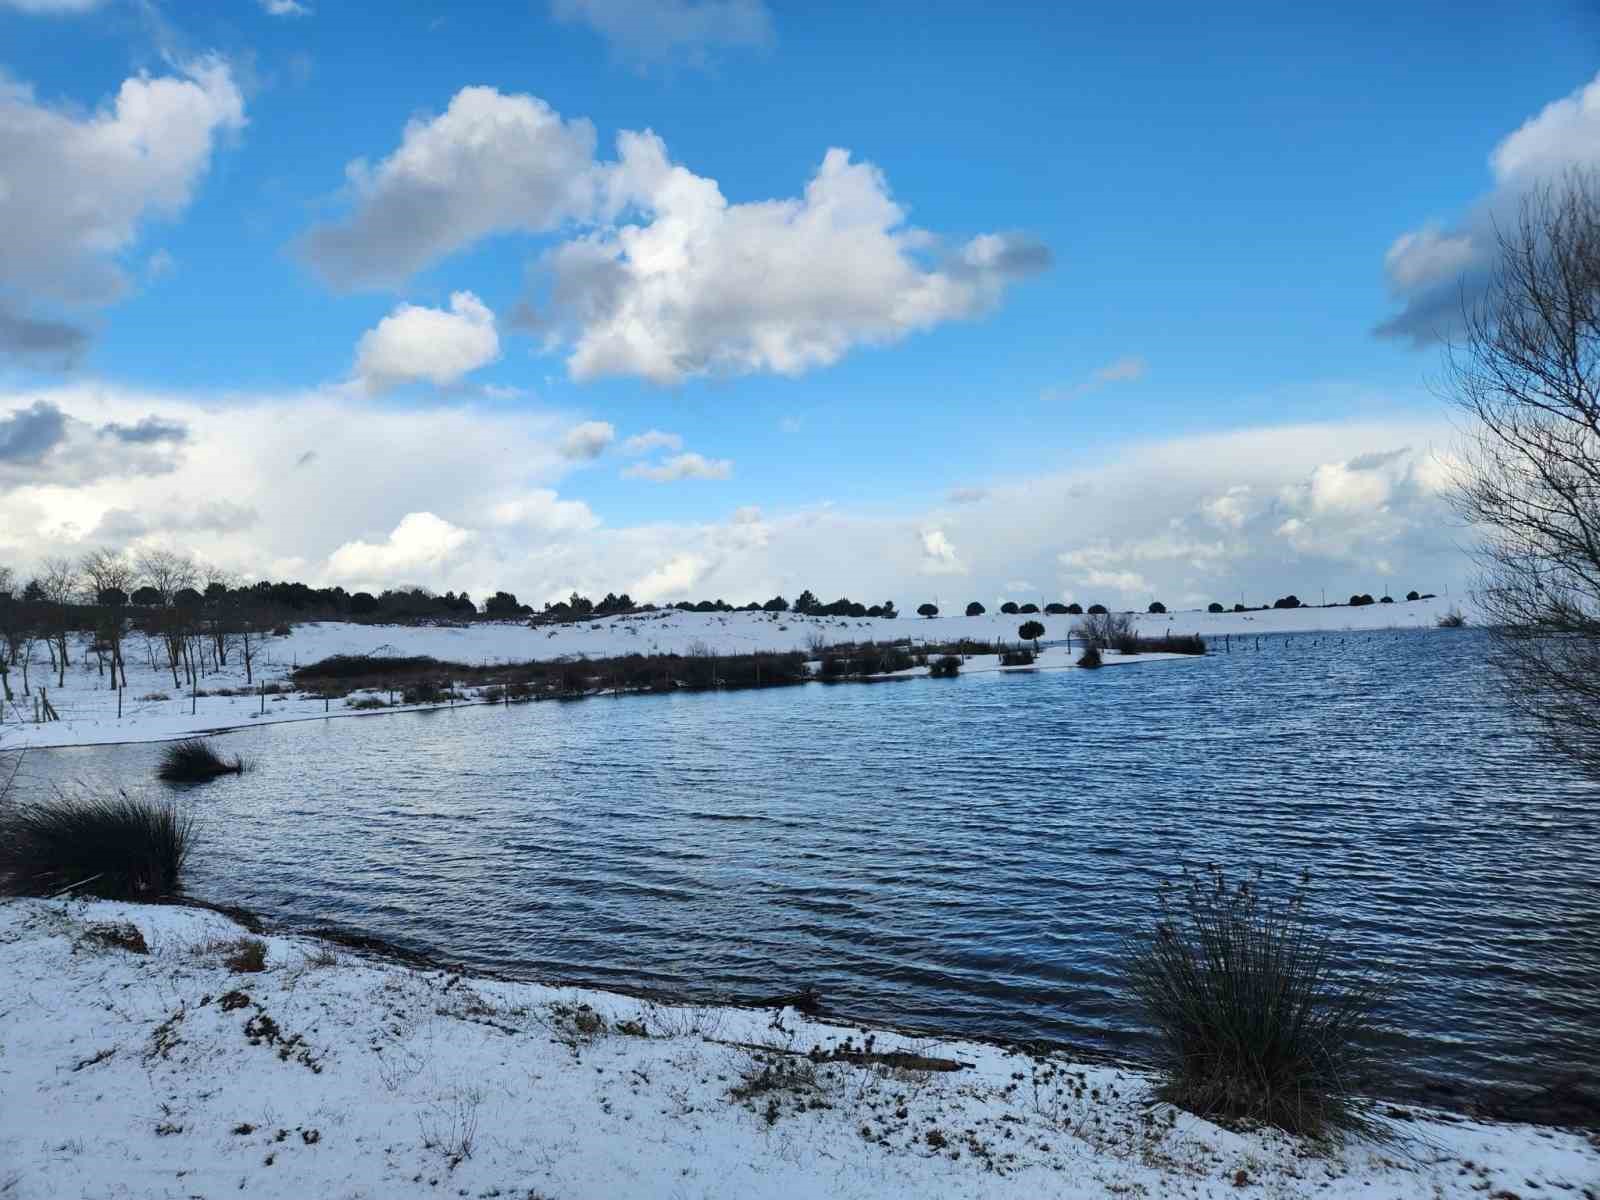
(263, 699)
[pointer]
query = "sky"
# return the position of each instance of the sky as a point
(730, 298)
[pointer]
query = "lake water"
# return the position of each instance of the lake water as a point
(959, 855)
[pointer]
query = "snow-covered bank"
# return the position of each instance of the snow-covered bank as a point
(152, 709)
(336, 1076)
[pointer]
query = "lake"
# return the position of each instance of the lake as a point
(957, 855)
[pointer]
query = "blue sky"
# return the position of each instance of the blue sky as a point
(1196, 220)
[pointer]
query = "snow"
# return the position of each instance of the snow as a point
(88, 709)
(336, 1075)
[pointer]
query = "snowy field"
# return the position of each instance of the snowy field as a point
(328, 1075)
(153, 710)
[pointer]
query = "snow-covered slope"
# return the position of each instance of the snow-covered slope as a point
(152, 708)
(326, 1075)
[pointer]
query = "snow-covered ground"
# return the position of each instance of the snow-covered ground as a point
(328, 1075)
(152, 709)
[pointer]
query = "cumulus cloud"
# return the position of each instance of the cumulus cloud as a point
(681, 466)
(421, 543)
(38, 339)
(146, 430)
(490, 163)
(543, 510)
(587, 441)
(1430, 270)
(939, 557)
(413, 344)
(651, 439)
(1261, 512)
(705, 287)
(652, 31)
(28, 434)
(661, 277)
(140, 156)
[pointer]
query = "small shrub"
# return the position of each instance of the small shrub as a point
(424, 691)
(1252, 1020)
(1104, 630)
(152, 696)
(1452, 620)
(281, 631)
(121, 849)
(245, 954)
(1017, 658)
(947, 667)
(194, 761)
(121, 935)
(1090, 658)
(366, 702)
(492, 695)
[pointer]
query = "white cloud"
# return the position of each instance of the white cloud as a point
(681, 466)
(966, 495)
(505, 512)
(77, 187)
(491, 163)
(542, 510)
(588, 440)
(651, 439)
(650, 31)
(790, 424)
(285, 8)
(1122, 370)
(668, 280)
(413, 344)
(939, 557)
(420, 544)
(705, 287)
(1430, 270)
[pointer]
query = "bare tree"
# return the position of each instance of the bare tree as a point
(9, 633)
(1526, 375)
(60, 581)
(170, 572)
(110, 577)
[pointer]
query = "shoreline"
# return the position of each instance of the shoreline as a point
(330, 1073)
(473, 699)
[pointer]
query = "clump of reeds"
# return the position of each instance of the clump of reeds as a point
(194, 760)
(120, 848)
(1254, 1021)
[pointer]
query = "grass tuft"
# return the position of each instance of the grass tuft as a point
(194, 761)
(1254, 1022)
(122, 848)
(1090, 657)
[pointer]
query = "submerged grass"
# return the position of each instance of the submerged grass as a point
(120, 848)
(1254, 1023)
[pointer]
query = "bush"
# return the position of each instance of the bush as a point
(1028, 609)
(1090, 658)
(424, 691)
(1057, 609)
(927, 610)
(1157, 607)
(975, 609)
(1252, 1021)
(194, 761)
(120, 849)
(947, 667)
(362, 703)
(1452, 620)
(1289, 601)
(1097, 610)
(1009, 608)
(1102, 629)
(1413, 596)
(1214, 607)
(1017, 658)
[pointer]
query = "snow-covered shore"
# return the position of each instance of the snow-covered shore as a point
(153, 710)
(333, 1075)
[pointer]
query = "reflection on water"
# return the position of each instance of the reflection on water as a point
(960, 855)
